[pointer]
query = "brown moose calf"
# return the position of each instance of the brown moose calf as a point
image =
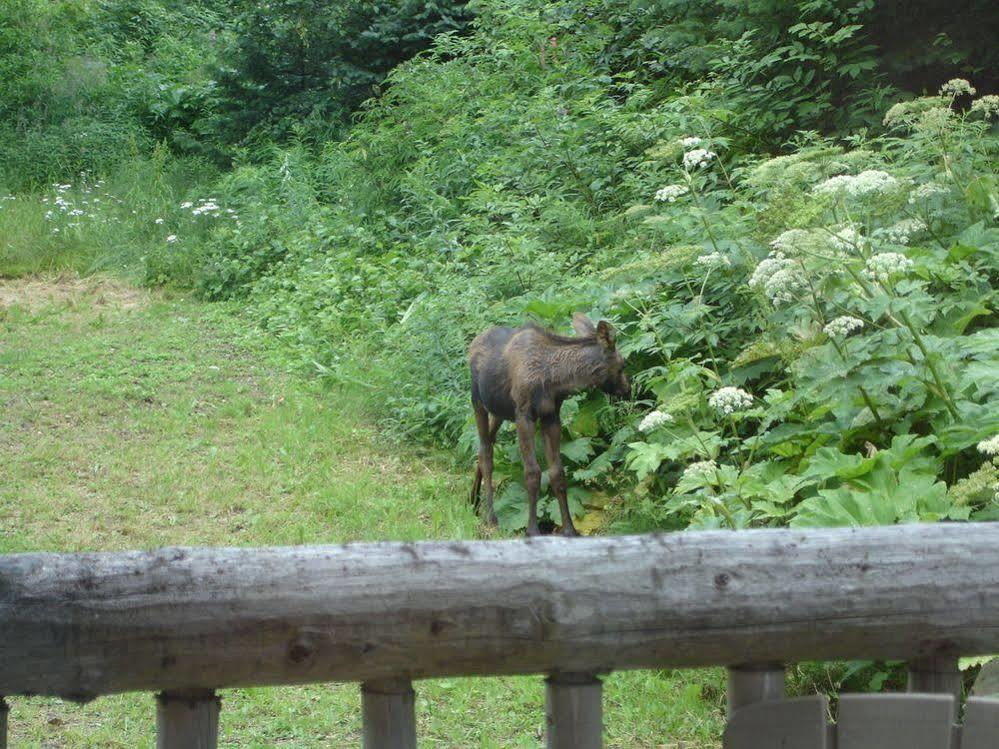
(523, 375)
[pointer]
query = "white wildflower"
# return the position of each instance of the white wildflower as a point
(171, 238)
(841, 327)
(987, 106)
(903, 231)
(846, 238)
(728, 400)
(186, 204)
(868, 183)
(700, 469)
(654, 420)
(956, 87)
(926, 192)
(989, 446)
(55, 230)
(158, 221)
(691, 141)
(670, 193)
(934, 120)
(713, 260)
(778, 278)
(791, 240)
(886, 265)
(76, 212)
(697, 157)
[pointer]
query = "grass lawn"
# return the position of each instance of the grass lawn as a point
(134, 420)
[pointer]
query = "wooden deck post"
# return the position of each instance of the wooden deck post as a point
(754, 682)
(939, 674)
(388, 707)
(187, 719)
(3, 723)
(574, 713)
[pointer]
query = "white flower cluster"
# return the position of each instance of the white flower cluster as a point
(987, 106)
(791, 240)
(934, 120)
(209, 207)
(654, 420)
(886, 265)
(841, 327)
(171, 238)
(691, 141)
(777, 277)
(989, 446)
(670, 193)
(903, 231)
(713, 260)
(700, 469)
(871, 182)
(926, 192)
(697, 157)
(956, 87)
(728, 400)
(905, 112)
(846, 238)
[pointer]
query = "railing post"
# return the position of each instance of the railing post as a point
(754, 682)
(187, 719)
(3, 723)
(388, 707)
(574, 714)
(936, 673)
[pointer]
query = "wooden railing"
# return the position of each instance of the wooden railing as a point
(185, 622)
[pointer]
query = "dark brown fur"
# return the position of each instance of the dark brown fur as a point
(523, 375)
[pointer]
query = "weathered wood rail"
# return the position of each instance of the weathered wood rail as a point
(186, 622)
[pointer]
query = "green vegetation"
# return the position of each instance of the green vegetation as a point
(136, 420)
(789, 210)
(799, 253)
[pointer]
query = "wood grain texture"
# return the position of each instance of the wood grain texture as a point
(81, 625)
(573, 712)
(388, 709)
(754, 683)
(187, 720)
(938, 674)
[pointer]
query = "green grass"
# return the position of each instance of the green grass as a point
(136, 420)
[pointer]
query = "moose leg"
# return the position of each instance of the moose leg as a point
(532, 471)
(487, 427)
(551, 431)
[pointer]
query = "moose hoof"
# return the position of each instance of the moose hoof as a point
(570, 531)
(492, 519)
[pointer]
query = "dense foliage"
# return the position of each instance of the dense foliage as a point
(793, 226)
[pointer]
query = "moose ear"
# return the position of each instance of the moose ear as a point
(583, 325)
(606, 335)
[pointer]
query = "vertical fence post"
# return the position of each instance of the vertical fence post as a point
(754, 682)
(388, 707)
(939, 674)
(3, 723)
(187, 719)
(573, 709)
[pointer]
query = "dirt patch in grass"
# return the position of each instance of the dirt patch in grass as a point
(34, 293)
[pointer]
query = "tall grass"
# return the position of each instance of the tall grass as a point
(121, 223)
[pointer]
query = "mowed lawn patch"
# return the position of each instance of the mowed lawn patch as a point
(135, 420)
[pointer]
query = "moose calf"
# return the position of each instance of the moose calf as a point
(523, 375)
